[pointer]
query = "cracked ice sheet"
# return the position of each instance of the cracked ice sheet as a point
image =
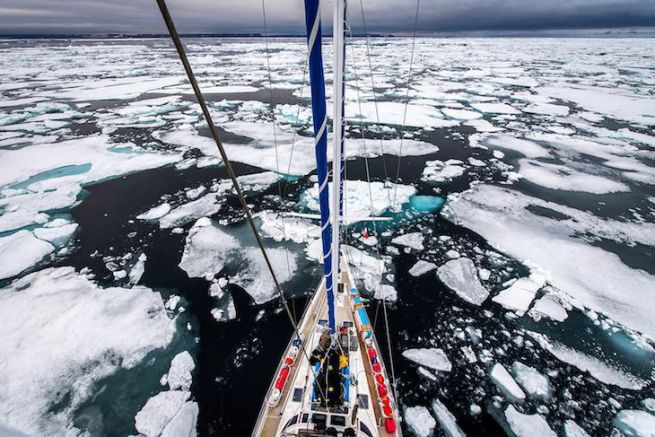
(594, 277)
(597, 368)
(614, 102)
(360, 203)
(260, 152)
(62, 333)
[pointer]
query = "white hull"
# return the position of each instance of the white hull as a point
(296, 410)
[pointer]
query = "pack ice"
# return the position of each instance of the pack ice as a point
(461, 276)
(62, 333)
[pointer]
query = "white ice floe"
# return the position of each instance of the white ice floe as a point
(549, 306)
(495, 108)
(483, 126)
(547, 109)
(11, 220)
(518, 296)
(534, 383)
(138, 269)
(525, 147)
(613, 102)
(460, 275)
(440, 171)
(360, 202)
(207, 205)
(600, 370)
(506, 384)
(447, 420)
(422, 267)
(168, 414)
(635, 423)
(413, 240)
(261, 151)
(364, 267)
(56, 235)
(564, 177)
(61, 334)
(572, 429)
(111, 88)
(396, 113)
(649, 404)
(461, 114)
(179, 375)
(386, 292)
(527, 425)
(282, 228)
(419, 420)
(432, 358)
(255, 277)
(596, 278)
(258, 181)
(207, 249)
(20, 251)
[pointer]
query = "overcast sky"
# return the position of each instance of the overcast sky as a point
(286, 16)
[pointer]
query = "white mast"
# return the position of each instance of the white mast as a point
(337, 124)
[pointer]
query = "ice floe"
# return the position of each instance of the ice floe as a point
(422, 267)
(635, 423)
(20, 251)
(207, 249)
(186, 213)
(439, 171)
(168, 414)
(506, 384)
(572, 429)
(96, 331)
(533, 382)
(460, 275)
(561, 177)
(521, 293)
(447, 420)
(282, 228)
(179, 375)
(363, 199)
(413, 240)
(527, 425)
(596, 278)
(433, 358)
(419, 420)
(600, 370)
(549, 306)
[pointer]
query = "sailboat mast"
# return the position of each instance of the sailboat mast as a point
(337, 132)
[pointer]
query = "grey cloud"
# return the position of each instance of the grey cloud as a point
(286, 16)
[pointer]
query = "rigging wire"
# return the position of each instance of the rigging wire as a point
(277, 162)
(377, 243)
(409, 87)
(375, 99)
(170, 24)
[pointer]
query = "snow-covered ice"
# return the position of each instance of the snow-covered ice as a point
(432, 358)
(597, 368)
(635, 423)
(504, 381)
(419, 420)
(413, 240)
(460, 275)
(572, 429)
(95, 331)
(168, 414)
(527, 425)
(179, 375)
(447, 421)
(207, 249)
(534, 383)
(521, 293)
(20, 251)
(422, 267)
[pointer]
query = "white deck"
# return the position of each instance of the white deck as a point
(278, 420)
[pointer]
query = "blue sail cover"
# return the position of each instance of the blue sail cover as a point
(319, 113)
